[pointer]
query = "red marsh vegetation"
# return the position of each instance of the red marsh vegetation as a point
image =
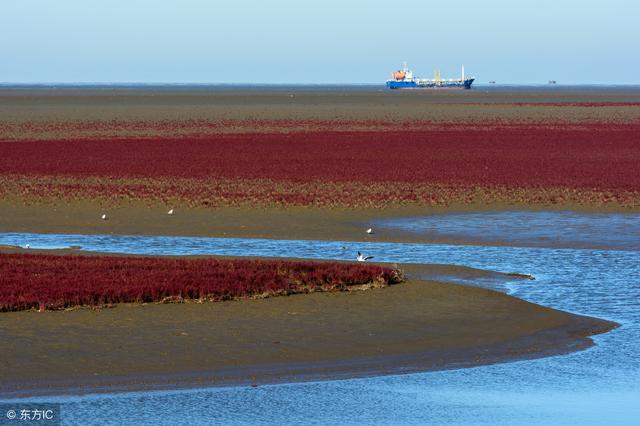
(35, 281)
(597, 163)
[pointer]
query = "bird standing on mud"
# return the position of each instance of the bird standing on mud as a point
(103, 217)
(370, 231)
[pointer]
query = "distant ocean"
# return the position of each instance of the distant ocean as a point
(216, 87)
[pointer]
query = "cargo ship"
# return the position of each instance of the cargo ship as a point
(404, 79)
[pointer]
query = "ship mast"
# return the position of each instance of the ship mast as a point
(463, 72)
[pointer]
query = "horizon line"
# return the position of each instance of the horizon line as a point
(161, 83)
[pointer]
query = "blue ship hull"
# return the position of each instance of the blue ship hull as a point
(410, 84)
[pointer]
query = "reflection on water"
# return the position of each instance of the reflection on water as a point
(596, 386)
(531, 229)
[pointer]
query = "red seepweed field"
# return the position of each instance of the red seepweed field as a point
(36, 281)
(585, 163)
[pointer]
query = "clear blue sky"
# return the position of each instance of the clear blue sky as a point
(328, 41)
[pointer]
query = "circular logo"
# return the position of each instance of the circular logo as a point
(11, 414)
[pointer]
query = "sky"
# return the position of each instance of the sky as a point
(318, 42)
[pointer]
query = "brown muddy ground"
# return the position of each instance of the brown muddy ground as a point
(414, 326)
(303, 223)
(67, 113)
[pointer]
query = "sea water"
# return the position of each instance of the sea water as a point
(534, 229)
(600, 385)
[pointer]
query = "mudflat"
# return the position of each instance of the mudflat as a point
(303, 223)
(117, 108)
(414, 326)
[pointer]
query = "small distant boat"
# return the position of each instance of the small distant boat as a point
(552, 82)
(492, 82)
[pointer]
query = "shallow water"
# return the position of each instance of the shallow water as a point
(532, 229)
(598, 386)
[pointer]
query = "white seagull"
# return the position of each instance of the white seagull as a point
(170, 212)
(370, 231)
(362, 258)
(104, 216)
(27, 246)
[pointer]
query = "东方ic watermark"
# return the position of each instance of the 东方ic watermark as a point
(25, 413)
